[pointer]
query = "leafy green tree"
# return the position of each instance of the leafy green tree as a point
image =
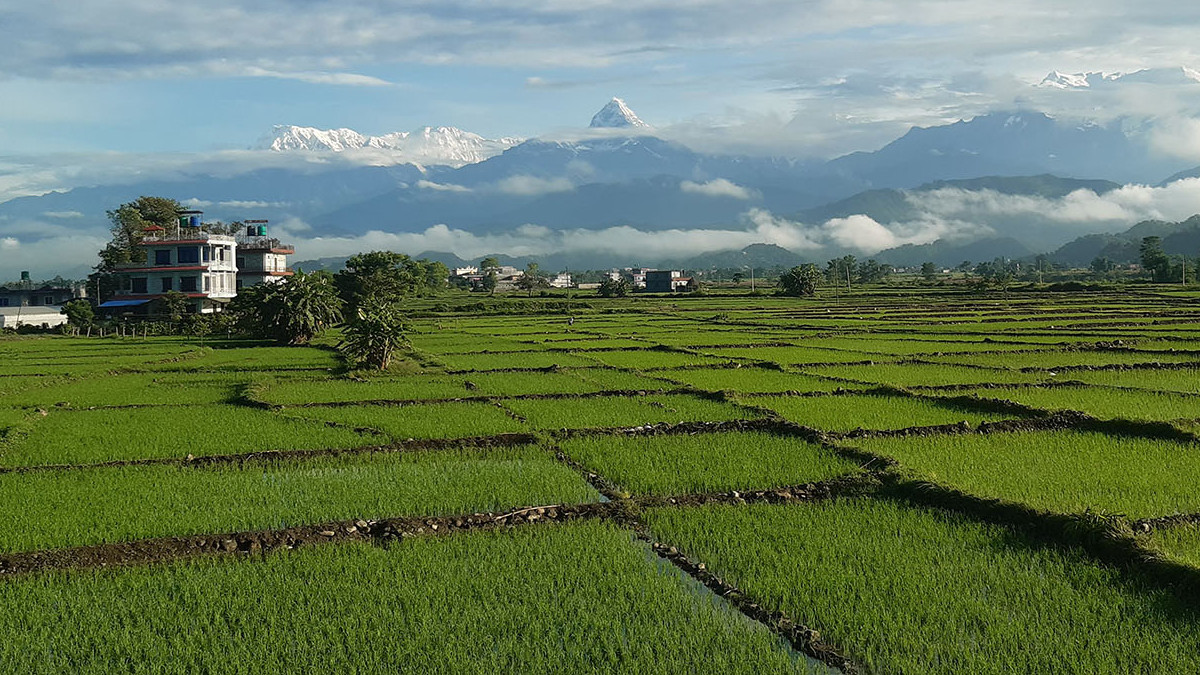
(387, 276)
(173, 304)
(373, 336)
(489, 269)
(128, 223)
(873, 272)
(79, 313)
(533, 279)
(841, 270)
(291, 312)
(613, 288)
(1102, 266)
(1155, 260)
(800, 281)
(928, 271)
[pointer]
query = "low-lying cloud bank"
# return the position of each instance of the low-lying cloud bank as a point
(57, 244)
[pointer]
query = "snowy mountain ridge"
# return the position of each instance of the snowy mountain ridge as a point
(449, 146)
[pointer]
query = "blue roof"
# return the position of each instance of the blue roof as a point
(123, 303)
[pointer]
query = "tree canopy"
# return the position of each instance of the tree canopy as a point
(387, 276)
(291, 312)
(800, 281)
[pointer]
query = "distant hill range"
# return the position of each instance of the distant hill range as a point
(622, 175)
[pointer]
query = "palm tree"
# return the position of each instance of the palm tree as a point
(293, 311)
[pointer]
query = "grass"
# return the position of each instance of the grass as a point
(674, 465)
(92, 436)
(257, 358)
(610, 379)
(582, 598)
(855, 411)
(1068, 471)
(922, 375)
(1101, 402)
(753, 380)
(1180, 543)
(429, 420)
(56, 509)
(521, 383)
(905, 590)
(411, 388)
(624, 411)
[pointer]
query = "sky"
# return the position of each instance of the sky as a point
(813, 77)
(93, 91)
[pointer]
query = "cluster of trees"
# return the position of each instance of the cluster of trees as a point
(848, 270)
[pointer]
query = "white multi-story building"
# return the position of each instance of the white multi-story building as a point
(198, 264)
(261, 259)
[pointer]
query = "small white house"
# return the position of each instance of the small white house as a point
(11, 317)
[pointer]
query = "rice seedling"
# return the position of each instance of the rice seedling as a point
(92, 436)
(674, 465)
(55, 509)
(1179, 542)
(854, 411)
(124, 390)
(258, 358)
(1101, 402)
(1105, 357)
(1184, 381)
(410, 388)
(795, 355)
(645, 359)
(582, 598)
(752, 380)
(514, 360)
(624, 411)
(609, 379)
(923, 375)
(907, 590)
(427, 420)
(1062, 471)
(523, 383)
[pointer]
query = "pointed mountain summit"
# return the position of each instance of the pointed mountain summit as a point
(616, 115)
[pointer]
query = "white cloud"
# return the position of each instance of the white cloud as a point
(442, 187)
(532, 186)
(62, 214)
(718, 187)
(238, 204)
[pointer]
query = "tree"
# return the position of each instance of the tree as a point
(800, 281)
(928, 271)
(387, 276)
(533, 279)
(174, 304)
(291, 312)
(128, 226)
(373, 336)
(79, 313)
(873, 272)
(841, 270)
(1155, 260)
(489, 267)
(613, 288)
(1102, 266)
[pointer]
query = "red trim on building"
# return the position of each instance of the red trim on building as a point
(169, 268)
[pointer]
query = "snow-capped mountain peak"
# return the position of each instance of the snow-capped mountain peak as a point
(429, 145)
(616, 115)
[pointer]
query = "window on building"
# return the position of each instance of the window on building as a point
(137, 285)
(187, 284)
(167, 283)
(207, 284)
(206, 251)
(188, 254)
(49, 299)
(162, 256)
(3, 302)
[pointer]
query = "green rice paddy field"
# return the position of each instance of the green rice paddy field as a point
(921, 480)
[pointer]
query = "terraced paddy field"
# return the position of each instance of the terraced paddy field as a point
(902, 481)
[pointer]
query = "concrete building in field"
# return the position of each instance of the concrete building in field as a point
(261, 259)
(668, 281)
(561, 280)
